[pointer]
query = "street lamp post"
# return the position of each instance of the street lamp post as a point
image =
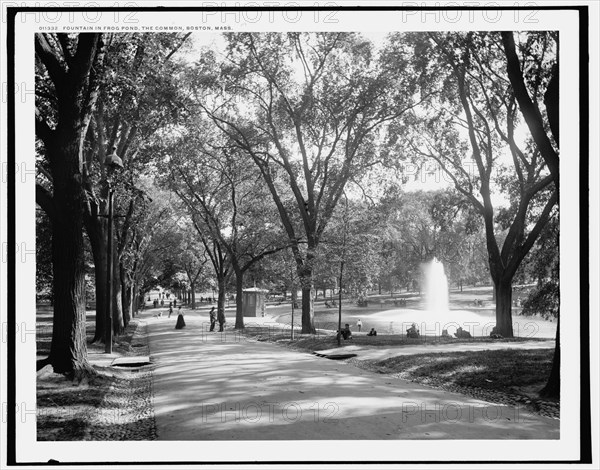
(112, 163)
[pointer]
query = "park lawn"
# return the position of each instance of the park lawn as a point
(506, 370)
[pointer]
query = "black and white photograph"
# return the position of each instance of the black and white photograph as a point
(300, 235)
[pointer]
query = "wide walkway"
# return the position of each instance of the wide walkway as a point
(210, 386)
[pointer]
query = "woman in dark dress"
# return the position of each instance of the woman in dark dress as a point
(180, 321)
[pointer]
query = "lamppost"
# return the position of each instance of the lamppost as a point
(112, 163)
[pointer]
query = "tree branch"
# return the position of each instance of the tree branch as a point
(530, 111)
(45, 51)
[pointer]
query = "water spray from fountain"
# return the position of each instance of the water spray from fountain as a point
(436, 288)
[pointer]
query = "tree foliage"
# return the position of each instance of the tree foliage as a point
(311, 110)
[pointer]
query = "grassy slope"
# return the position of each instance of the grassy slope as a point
(503, 370)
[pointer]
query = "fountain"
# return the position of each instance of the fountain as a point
(436, 288)
(434, 317)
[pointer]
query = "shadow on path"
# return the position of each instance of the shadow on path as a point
(211, 386)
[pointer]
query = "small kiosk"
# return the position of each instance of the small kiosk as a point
(253, 302)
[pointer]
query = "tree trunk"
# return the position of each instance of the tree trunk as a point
(132, 296)
(308, 313)
(136, 299)
(118, 321)
(503, 289)
(294, 296)
(552, 388)
(76, 94)
(97, 234)
(193, 293)
(239, 305)
(221, 297)
(126, 297)
(68, 350)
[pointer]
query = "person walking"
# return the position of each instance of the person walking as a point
(170, 310)
(180, 321)
(359, 325)
(213, 319)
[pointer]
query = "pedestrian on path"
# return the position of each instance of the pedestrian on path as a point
(180, 321)
(221, 319)
(213, 319)
(359, 324)
(170, 310)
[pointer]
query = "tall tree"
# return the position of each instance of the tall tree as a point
(311, 111)
(67, 81)
(527, 77)
(138, 98)
(478, 102)
(225, 196)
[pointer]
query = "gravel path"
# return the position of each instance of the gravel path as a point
(127, 410)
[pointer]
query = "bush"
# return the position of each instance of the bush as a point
(544, 300)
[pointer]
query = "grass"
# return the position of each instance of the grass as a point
(505, 370)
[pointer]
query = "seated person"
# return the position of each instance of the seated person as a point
(372, 332)
(346, 333)
(413, 331)
(460, 333)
